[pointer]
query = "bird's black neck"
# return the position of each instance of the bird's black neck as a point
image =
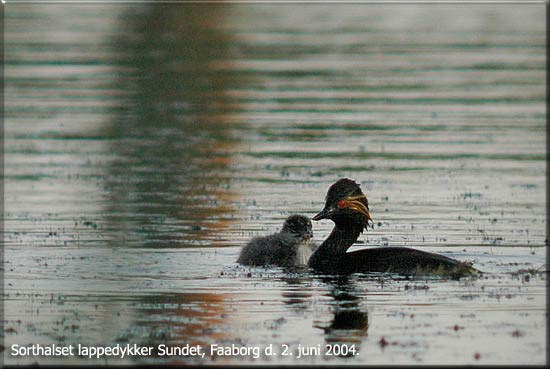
(340, 239)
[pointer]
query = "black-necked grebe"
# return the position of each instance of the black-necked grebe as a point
(348, 208)
(292, 246)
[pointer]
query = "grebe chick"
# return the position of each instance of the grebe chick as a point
(348, 208)
(290, 247)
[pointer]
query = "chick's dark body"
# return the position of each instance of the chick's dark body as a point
(290, 247)
(278, 249)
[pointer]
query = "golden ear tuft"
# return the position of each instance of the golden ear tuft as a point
(359, 204)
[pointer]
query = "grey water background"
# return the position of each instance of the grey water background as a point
(145, 144)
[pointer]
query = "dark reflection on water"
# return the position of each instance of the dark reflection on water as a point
(350, 321)
(168, 183)
(297, 295)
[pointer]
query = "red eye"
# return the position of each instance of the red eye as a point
(342, 204)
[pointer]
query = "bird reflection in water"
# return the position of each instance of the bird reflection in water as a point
(350, 322)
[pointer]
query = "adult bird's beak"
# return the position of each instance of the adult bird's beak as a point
(322, 215)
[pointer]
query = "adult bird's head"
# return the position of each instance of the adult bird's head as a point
(345, 204)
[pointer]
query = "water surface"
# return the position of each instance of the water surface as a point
(146, 144)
